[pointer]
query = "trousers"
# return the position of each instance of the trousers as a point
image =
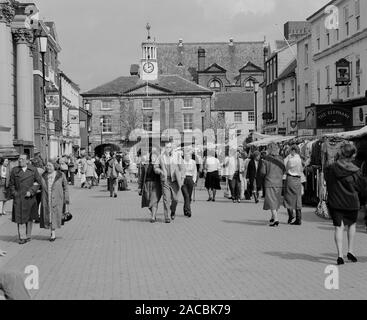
(112, 186)
(170, 197)
(187, 190)
(235, 186)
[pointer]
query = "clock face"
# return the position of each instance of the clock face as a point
(148, 67)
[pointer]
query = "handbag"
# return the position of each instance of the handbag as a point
(66, 217)
(322, 210)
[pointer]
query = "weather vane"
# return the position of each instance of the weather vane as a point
(148, 28)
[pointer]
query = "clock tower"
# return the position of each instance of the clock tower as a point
(149, 64)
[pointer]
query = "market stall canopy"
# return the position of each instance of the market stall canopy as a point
(356, 134)
(260, 136)
(267, 141)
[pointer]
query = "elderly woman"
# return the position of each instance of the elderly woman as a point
(344, 183)
(4, 184)
(211, 173)
(293, 186)
(150, 186)
(55, 197)
(273, 170)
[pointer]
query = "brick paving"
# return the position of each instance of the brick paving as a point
(226, 251)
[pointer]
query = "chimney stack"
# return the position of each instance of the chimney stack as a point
(201, 59)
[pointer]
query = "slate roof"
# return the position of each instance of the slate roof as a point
(289, 71)
(231, 58)
(168, 83)
(234, 101)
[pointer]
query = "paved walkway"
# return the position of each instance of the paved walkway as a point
(226, 251)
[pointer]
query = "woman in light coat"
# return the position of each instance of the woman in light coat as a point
(55, 198)
(90, 171)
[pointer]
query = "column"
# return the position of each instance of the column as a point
(25, 110)
(7, 13)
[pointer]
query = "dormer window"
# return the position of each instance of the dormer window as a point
(249, 84)
(215, 85)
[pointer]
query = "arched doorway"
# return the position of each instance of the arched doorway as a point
(101, 149)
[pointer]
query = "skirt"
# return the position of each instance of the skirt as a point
(273, 198)
(212, 181)
(293, 193)
(347, 217)
(152, 194)
(4, 194)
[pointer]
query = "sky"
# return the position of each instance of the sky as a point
(101, 39)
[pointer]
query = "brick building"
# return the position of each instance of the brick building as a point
(146, 100)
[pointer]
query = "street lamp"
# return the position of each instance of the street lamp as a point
(256, 90)
(43, 41)
(101, 123)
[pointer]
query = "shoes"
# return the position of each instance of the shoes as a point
(291, 220)
(22, 241)
(234, 201)
(239, 201)
(173, 216)
(189, 215)
(115, 196)
(209, 200)
(153, 220)
(352, 258)
(256, 201)
(52, 239)
(271, 221)
(111, 195)
(274, 224)
(340, 261)
(296, 223)
(167, 221)
(28, 240)
(213, 200)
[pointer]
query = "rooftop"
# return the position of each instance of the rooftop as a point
(234, 101)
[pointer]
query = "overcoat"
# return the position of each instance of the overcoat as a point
(59, 197)
(24, 209)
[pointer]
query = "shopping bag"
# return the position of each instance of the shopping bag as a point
(322, 210)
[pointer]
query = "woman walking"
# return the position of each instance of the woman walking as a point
(212, 179)
(4, 184)
(293, 186)
(273, 170)
(55, 197)
(90, 172)
(150, 187)
(344, 183)
(190, 177)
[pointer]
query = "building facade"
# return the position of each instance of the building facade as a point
(335, 99)
(146, 104)
(23, 117)
(222, 67)
(71, 103)
(275, 122)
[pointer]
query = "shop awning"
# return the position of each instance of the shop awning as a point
(267, 141)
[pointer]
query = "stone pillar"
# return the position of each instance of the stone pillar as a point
(7, 13)
(25, 109)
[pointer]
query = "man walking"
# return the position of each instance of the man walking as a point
(113, 171)
(168, 166)
(24, 183)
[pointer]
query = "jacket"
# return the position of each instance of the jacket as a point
(59, 197)
(344, 183)
(24, 209)
(113, 169)
(89, 168)
(273, 170)
(161, 167)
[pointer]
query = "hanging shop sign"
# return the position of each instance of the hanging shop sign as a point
(343, 73)
(334, 117)
(282, 131)
(52, 100)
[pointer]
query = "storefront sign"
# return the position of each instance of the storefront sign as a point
(282, 131)
(306, 132)
(343, 72)
(334, 117)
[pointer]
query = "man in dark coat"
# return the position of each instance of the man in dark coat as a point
(24, 183)
(254, 175)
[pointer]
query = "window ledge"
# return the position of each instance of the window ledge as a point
(292, 100)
